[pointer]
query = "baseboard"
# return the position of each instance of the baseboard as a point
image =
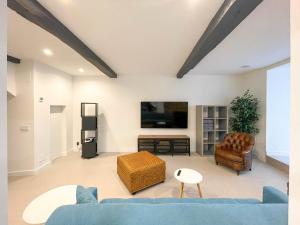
(277, 164)
(21, 173)
(42, 166)
(28, 172)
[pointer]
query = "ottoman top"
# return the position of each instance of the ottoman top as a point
(139, 160)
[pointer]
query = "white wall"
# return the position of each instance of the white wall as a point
(278, 111)
(256, 82)
(29, 119)
(21, 121)
(3, 114)
(11, 83)
(294, 201)
(119, 104)
(55, 87)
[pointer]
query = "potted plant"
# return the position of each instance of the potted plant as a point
(245, 114)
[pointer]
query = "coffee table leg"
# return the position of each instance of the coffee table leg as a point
(181, 190)
(199, 190)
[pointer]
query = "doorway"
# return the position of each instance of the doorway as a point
(58, 132)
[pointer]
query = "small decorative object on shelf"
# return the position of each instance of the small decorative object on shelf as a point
(211, 127)
(89, 130)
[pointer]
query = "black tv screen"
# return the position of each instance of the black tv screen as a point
(164, 114)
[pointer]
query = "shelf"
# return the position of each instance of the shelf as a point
(208, 136)
(208, 149)
(221, 112)
(89, 126)
(89, 123)
(214, 118)
(221, 124)
(211, 127)
(89, 109)
(208, 111)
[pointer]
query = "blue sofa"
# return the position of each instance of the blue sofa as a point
(272, 210)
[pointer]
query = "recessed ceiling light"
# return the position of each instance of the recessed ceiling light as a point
(81, 70)
(47, 52)
(245, 66)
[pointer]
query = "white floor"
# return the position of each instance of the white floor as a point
(101, 172)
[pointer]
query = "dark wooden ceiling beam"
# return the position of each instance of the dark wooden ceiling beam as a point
(33, 11)
(13, 59)
(228, 17)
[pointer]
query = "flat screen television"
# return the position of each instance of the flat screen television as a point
(164, 114)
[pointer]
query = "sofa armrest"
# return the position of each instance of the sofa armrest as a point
(273, 195)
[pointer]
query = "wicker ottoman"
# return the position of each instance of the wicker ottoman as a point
(140, 170)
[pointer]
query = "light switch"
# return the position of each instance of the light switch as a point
(24, 128)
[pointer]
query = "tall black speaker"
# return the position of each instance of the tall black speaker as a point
(89, 129)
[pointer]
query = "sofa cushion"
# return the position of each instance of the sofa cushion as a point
(230, 155)
(85, 195)
(181, 200)
(170, 214)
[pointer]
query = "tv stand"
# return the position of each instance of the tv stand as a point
(164, 144)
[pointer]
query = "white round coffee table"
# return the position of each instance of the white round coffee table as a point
(188, 176)
(39, 210)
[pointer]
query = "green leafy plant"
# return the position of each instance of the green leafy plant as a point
(245, 114)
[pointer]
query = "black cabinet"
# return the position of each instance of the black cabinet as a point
(181, 146)
(145, 144)
(89, 123)
(89, 129)
(164, 144)
(163, 147)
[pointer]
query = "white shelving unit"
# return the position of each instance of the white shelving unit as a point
(212, 126)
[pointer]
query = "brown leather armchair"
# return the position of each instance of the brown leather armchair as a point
(235, 151)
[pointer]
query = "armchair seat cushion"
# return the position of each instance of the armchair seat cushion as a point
(232, 156)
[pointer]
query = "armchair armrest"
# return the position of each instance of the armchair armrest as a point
(245, 152)
(272, 195)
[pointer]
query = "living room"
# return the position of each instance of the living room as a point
(49, 81)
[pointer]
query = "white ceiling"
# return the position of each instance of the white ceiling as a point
(143, 37)
(27, 41)
(262, 39)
